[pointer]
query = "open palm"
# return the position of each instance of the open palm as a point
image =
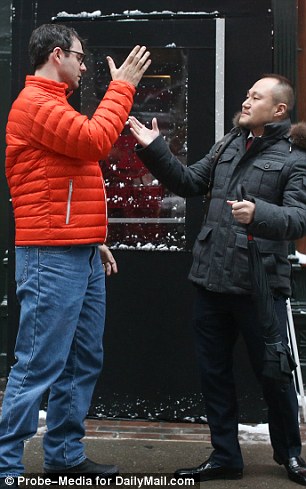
(143, 134)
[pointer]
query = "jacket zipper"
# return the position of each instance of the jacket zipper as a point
(69, 201)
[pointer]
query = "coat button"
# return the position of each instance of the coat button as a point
(267, 165)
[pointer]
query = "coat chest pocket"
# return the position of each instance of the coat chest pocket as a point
(224, 168)
(265, 178)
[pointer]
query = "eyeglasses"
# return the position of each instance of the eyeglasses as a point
(80, 56)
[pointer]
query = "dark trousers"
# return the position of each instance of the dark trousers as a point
(218, 319)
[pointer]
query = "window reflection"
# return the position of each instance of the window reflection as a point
(143, 214)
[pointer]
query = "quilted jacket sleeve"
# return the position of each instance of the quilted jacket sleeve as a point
(186, 181)
(52, 124)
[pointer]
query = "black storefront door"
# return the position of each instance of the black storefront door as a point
(150, 369)
(197, 81)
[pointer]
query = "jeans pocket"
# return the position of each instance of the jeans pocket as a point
(22, 264)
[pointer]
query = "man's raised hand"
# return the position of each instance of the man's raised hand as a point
(143, 134)
(133, 68)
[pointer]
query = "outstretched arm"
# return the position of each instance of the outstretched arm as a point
(85, 138)
(157, 157)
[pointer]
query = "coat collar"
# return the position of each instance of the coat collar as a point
(52, 86)
(296, 133)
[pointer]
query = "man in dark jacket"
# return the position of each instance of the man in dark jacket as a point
(273, 172)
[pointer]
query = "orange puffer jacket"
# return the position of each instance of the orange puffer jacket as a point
(52, 167)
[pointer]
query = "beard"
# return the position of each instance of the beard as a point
(245, 123)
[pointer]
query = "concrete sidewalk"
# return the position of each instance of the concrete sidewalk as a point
(145, 448)
(155, 447)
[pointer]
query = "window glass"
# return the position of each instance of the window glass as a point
(142, 213)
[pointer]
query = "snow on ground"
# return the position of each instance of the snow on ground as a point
(258, 433)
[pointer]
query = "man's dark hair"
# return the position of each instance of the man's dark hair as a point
(283, 91)
(48, 36)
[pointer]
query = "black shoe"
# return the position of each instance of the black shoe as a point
(208, 471)
(8, 482)
(296, 469)
(87, 467)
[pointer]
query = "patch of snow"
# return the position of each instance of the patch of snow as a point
(262, 428)
(41, 430)
(301, 257)
(132, 13)
(96, 13)
(139, 12)
(42, 415)
(146, 247)
(254, 433)
(168, 12)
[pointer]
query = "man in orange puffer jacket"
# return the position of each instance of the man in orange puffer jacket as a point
(59, 203)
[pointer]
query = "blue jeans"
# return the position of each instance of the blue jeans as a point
(61, 291)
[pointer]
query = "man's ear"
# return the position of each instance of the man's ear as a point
(56, 54)
(281, 110)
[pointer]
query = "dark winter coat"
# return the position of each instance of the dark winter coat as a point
(273, 173)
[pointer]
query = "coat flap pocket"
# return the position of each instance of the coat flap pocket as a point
(264, 245)
(227, 156)
(268, 165)
(204, 233)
